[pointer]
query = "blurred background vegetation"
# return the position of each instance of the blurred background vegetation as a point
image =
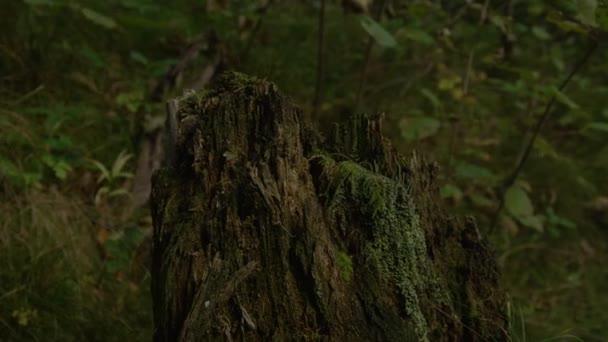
(463, 82)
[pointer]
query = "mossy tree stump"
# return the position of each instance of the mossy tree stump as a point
(263, 231)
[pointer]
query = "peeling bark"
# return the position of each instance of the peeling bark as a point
(264, 231)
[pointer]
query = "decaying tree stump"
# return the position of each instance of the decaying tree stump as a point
(262, 231)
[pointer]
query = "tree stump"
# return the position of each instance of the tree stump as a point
(264, 231)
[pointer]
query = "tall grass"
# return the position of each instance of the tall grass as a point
(53, 284)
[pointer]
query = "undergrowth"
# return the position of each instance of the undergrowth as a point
(54, 282)
(459, 81)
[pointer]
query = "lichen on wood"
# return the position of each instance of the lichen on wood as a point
(265, 231)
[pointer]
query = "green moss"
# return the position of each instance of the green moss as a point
(357, 180)
(345, 264)
(397, 248)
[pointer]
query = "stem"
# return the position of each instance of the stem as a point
(368, 53)
(539, 125)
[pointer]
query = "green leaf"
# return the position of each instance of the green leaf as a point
(545, 148)
(451, 191)
(119, 163)
(62, 169)
(557, 220)
(602, 18)
(466, 170)
(98, 18)
(499, 22)
(432, 97)
(586, 11)
(119, 192)
(131, 100)
(380, 35)
(540, 33)
(518, 203)
(93, 57)
(419, 127)
(103, 170)
(479, 200)
(418, 36)
(138, 57)
(563, 98)
(597, 126)
(534, 221)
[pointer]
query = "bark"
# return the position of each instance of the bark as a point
(264, 231)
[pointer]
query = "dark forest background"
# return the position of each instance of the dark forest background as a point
(509, 97)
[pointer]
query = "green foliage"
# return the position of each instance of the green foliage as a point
(109, 178)
(519, 205)
(419, 127)
(380, 35)
(464, 82)
(349, 179)
(120, 249)
(345, 265)
(586, 11)
(52, 282)
(397, 245)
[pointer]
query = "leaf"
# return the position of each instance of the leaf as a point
(120, 162)
(138, 57)
(557, 220)
(540, 33)
(98, 18)
(380, 35)
(62, 169)
(480, 200)
(131, 100)
(100, 193)
(104, 172)
(92, 56)
(563, 98)
(597, 126)
(125, 175)
(602, 18)
(451, 191)
(518, 203)
(499, 22)
(534, 221)
(466, 170)
(84, 80)
(419, 127)
(119, 192)
(545, 148)
(418, 36)
(432, 97)
(586, 11)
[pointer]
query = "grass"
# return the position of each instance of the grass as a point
(53, 284)
(71, 270)
(557, 289)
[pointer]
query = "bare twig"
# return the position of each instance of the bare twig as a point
(539, 125)
(368, 53)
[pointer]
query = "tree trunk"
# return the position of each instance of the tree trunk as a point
(262, 231)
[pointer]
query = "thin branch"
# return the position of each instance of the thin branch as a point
(539, 125)
(368, 54)
(320, 62)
